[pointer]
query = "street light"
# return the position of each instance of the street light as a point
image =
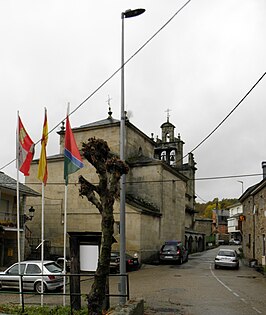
(30, 216)
(242, 183)
(126, 14)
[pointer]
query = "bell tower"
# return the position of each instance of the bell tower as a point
(169, 148)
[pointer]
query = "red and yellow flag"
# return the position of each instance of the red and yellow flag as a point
(25, 149)
(42, 167)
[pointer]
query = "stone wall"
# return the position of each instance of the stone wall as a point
(254, 226)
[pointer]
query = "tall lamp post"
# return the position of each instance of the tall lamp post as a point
(127, 14)
(242, 183)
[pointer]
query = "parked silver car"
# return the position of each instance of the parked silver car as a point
(233, 241)
(31, 272)
(226, 258)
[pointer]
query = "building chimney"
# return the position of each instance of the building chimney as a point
(263, 164)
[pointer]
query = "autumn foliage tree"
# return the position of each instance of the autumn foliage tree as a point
(205, 209)
(109, 169)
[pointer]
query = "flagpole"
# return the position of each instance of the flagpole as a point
(18, 214)
(65, 232)
(43, 175)
(65, 226)
(72, 163)
(42, 239)
(24, 156)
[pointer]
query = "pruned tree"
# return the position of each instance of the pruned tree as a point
(109, 169)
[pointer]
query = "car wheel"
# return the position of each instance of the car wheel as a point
(215, 267)
(180, 261)
(38, 287)
(237, 267)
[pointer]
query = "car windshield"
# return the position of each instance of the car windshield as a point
(114, 254)
(169, 248)
(53, 267)
(226, 253)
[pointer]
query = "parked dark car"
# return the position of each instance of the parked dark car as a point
(173, 251)
(226, 258)
(60, 261)
(132, 263)
(32, 276)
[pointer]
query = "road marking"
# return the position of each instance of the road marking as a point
(254, 308)
(229, 289)
(220, 281)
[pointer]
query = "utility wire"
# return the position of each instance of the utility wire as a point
(227, 116)
(155, 181)
(111, 76)
(197, 146)
(201, 198)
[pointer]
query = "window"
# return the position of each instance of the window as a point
(33, 269)
(14, 270)
(249, 240)
(4, 206)
(163, 156)
(53, 267)
(169, 248)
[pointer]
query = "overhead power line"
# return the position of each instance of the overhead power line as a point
(157, 181)
(111, 76)
(227, 116)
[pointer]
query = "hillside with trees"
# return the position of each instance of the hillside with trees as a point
(205, 209)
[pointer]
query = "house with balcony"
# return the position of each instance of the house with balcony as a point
(235, 221)
(8, 219)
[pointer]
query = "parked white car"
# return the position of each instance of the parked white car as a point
(233, 241)
(226, 258)
(31, 272)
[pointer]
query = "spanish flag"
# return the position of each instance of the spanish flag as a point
(42, 168)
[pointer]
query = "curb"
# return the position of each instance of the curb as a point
(132, 307)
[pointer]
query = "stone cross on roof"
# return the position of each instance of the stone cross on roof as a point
(168, 114)
(109, 104)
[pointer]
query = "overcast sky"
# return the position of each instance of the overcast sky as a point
(199, 66)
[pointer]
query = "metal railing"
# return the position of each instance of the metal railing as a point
(53, 295)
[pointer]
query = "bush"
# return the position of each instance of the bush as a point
(38, 310)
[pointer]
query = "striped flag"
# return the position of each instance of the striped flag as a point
(25, 149)
(42, 167)
(72, 161)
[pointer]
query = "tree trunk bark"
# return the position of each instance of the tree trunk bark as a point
(96, 297)
(109, 169)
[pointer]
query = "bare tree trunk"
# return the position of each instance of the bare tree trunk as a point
(109, 169)
(96, 296)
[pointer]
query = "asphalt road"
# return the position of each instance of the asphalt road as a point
(193, 288)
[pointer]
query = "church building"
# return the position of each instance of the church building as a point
(160, 192)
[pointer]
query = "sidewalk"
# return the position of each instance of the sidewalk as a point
(254, 264)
